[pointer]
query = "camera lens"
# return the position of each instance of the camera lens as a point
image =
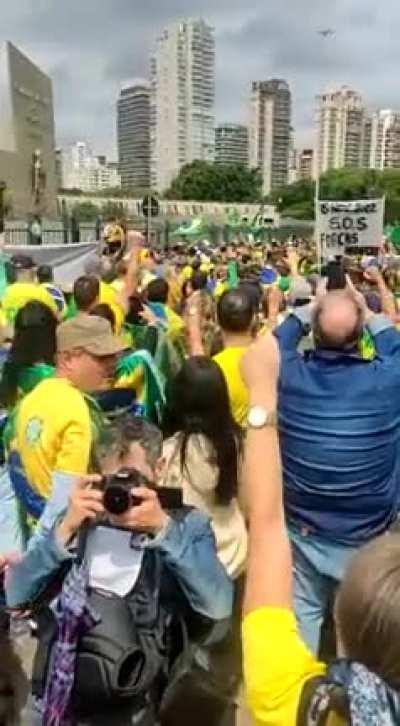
(117, 499)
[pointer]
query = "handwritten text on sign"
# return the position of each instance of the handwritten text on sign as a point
(349, 224)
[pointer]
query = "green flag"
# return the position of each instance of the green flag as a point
(233, 277)
(395, 237)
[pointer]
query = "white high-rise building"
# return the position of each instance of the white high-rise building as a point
(341, 128)
(270, 131)
(82, 170)
(183, 99)
(384, 152)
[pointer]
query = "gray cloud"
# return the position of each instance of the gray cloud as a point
(91, 47)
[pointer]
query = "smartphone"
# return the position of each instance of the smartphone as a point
(336, 276)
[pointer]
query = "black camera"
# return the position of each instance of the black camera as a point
(118, 497)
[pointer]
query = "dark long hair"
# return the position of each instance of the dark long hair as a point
(198, 403)
(34, 342)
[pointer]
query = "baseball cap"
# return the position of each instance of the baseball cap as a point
(91, 333)
(300, 290)
(22, 262)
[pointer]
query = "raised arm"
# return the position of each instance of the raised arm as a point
(372, 274)
(291, 331)
(135, 241)
(386, 336)
(193, 325)
(269, 573)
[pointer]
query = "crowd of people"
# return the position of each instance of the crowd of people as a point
(199, 489)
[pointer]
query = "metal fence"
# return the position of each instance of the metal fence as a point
(82, 234)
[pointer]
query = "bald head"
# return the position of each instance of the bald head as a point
(338, 321)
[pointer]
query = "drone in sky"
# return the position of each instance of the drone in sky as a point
(328, 33)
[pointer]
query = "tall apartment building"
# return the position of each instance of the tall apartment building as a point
(384, 146)
(231, 144)
(59, 161)
(133, 133)
(270, 131)
(341, 129)
(82, 170)
(306, 164)
(183, 99)
(293, 159)
(367, 143)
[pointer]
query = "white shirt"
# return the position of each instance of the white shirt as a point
(113, 563)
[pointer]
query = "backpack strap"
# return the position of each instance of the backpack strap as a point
(319, 700)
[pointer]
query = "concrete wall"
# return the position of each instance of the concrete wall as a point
(26, 126)
(217, 211)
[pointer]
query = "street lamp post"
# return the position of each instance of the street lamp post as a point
(3, 187)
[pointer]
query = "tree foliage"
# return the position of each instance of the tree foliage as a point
(88, 212)
(297, 200)
(113, 209)
(205, 182)
(85, 211)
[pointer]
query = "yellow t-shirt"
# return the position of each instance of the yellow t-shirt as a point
(229, 362)
(277, 665)
(176, 326)
(108, 296)
(187, 273)
(20, 293)
(220, 288)
(53, 433)
(117, 285)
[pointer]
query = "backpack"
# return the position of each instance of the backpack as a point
(135, 659)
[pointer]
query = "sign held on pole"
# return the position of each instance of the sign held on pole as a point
(344, 224)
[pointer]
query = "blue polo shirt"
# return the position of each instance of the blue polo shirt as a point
(339, 421)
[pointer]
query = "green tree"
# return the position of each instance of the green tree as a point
(297, 200)
(113, 209)
(205, 182)
(85, 211)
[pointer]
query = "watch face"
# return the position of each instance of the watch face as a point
(258, 417)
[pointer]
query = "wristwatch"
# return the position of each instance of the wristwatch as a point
(259, 417)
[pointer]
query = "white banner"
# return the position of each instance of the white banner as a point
(68, 261)
(349, 224)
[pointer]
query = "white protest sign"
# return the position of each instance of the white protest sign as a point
(349, 224)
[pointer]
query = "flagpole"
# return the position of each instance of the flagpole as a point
(316, 214)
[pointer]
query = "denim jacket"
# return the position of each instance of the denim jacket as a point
(339, 419)
(188, 550)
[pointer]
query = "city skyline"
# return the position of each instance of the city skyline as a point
(253, 43)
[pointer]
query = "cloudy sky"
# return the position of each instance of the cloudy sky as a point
(91, 47)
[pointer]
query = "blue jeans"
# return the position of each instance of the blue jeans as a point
(318, 568)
